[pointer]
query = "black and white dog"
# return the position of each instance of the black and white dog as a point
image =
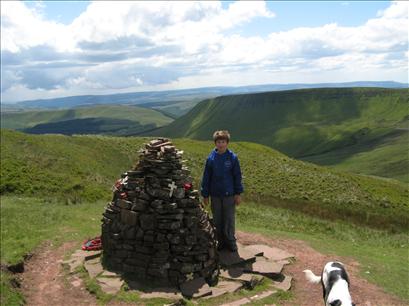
(335, 284)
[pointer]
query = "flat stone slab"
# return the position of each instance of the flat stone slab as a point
(242, 301)
(264, 267)
(195, 288)
(244, 268)
(268, 252)
(224, 287)
(215, 293)
(73, 264)
(79, 257)
(110, 285)
(86, 255)
(283, 262)
(284, 285)
(93, 268)
(229, 286)
(236, 273)
(94, 260)
(242, 256)
(164, 292)
(93, 254)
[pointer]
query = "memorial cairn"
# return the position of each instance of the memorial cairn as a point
(155, 228)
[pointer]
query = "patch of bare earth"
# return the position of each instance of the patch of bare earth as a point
(45, 283)
(307, 294)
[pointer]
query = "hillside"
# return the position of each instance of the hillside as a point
(326, 126)
(102, 119)
(83, 168)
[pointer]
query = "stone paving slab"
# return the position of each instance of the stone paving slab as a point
(86, 254)
(93, 268)
(236, 273)
(110, 285)
(93, 254)
(246, 267)
(264, 267)
(242, 301)
(72, 264)
(228, 259)
(224, 287)
(95, 260)
(285, 284)
(283, 262)
(195, 288)
(268, 252)
(229, 286)
(163, 292)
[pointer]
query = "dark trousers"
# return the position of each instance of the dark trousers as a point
(223, 210)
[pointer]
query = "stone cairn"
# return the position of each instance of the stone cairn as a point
(155, 227)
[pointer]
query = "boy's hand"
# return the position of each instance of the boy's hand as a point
(205, 201)
(237, 199)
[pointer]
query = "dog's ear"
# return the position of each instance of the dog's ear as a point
(336, 303)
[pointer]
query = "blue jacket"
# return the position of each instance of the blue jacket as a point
(222, 175)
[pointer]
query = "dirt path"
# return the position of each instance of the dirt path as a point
(306, 294)
(44, 282)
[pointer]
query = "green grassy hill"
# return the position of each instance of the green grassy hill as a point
(386, 156)
(327, 126)
(101, 119)
(55, 187)
(85, 167)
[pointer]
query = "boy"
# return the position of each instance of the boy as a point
(222, 181)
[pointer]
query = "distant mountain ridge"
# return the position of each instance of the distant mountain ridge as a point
(196, 94)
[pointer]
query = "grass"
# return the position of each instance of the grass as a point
(26, 222)
(362, 157)
(9, 294)
(380, 252)
(83, 168)
(55, 187)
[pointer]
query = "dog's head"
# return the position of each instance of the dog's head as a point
(339, 303)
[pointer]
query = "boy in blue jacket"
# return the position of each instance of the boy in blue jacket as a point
(222, 182)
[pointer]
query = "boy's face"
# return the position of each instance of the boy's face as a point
(221, 145)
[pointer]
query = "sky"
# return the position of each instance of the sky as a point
(54, 49)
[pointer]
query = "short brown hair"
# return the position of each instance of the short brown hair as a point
(221, 135)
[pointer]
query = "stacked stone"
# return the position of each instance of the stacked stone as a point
(155, 226)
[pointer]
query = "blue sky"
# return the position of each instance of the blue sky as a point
(292, 14)
(61, 11)
(52, 49)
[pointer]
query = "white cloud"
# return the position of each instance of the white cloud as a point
(23, 28)
(126, 46)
